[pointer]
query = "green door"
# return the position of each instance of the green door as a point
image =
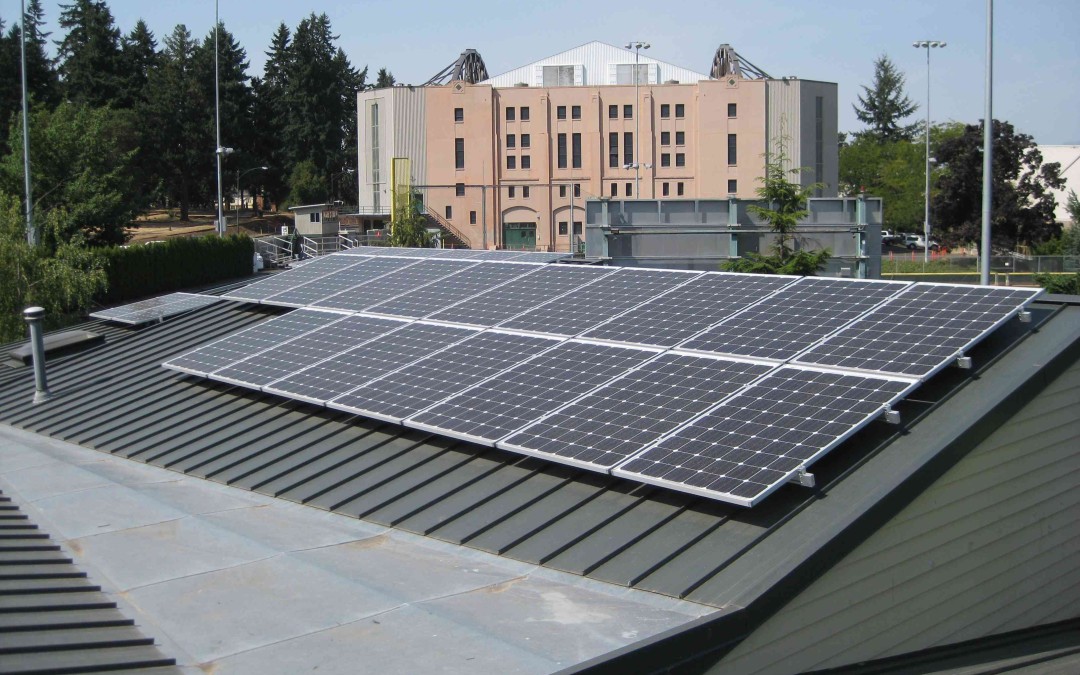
(520, 236)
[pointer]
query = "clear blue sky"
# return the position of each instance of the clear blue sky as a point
(1037, 49)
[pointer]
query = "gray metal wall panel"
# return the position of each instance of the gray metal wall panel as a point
(783, 115)
(991, 547)
(410, 131)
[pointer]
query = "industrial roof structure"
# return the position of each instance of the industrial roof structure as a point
(918, 541)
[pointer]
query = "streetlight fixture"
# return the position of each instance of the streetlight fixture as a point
(637, 46)
(927, 45)
(239, 175)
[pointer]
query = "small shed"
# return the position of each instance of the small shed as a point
(316, 220)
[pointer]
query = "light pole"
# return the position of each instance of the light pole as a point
(217, 122)
(988, 148)
(927, 45)
(31, 233)
(239, 175)
(637, 46)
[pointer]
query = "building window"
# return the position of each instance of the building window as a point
(449, 212)
(577, 189)
(819, 141)
(732, 110)
(628, 147)
(665, 138)
(562, 190)
(511, 161)
(624, 73)
(526, 162)
(679, 189)
(680, 110)
(680, 138)
(613, 112)
(459, 190)
(525, 192)
(511, 192)
(577, 228)
(666, 189)
(732, 154)
(562, 228)
(375, 149)
(526, 141)
(613, 149)
(665, 159)
(561, 152)
(629, 189)
(680, 159)
(732, 186)
(511, 114)
(575, 148)
(315, 217)
(511, 141)
(524, 113)
(459, 153)
(628, 112)
(459, 114)
(665, 110)
(560, 112)
(472, 217)
(558, 76)
(575, 112)
(614, 189)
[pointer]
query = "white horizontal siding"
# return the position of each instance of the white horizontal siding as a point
(594, 59)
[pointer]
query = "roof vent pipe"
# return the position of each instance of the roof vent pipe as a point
(34, 316)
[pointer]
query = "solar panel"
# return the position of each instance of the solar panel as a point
(921, 330)
(392, 251)
(759, 439)
(794, 318)
(689, 309)
(262, 336)
(451, 290)
(594, 303)
(501, 405)
(508, 300)
(435, 378)
(463, 253)
(283, 281)
(392, 285)
(618, 420)
(343, 373)
(336, 282)
(287, 358)
(540, 257)
(155, 309)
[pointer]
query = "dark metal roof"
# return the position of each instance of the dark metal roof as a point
(52, 618)
(116, 398)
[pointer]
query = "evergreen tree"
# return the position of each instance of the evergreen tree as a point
(384, 79)
(41, 79)
(90, 61)
(884, 105)
(139, 57)
(270, 111)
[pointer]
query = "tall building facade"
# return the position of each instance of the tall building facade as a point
(510, 161)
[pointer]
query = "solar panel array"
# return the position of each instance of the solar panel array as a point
(721, 385)
(155, 309)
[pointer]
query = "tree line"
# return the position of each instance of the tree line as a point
(887, 159)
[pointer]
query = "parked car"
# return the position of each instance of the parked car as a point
(888, 237)
(917, 242)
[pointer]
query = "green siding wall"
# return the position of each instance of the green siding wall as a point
(993, 546)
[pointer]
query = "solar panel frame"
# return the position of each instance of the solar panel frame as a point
(250, 341)
(440, 376)
(452, 290)
(770, 329)
(727, 414)
(883, 322)
(389, 286)
(340, 281)
(626, 415)
(392, 251)
(584, 365)
(316, 269)
(155, 309)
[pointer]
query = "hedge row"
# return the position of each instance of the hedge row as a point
(140, 270)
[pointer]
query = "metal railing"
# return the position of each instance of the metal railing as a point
(274, 249)
(446, 225)
(313, 247)
(1004, 269)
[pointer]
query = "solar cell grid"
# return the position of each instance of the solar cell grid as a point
(265, 335)
(621, 418)
(757, 440)
(794, 318)
(283, 281)
(432, 379)
(920, 330)
(450, 290)
(539, 257)
(339, 281)
(499, 406)
(402, 280)
(284, 359)
(508, 300)
(689, 309)
(153, 309)
(392, 251)
(594, 303)
(343, 373)
(460, 253)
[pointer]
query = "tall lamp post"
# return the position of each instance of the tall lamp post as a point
(239, 175)
(31, 233)
(637, 46)
(988, 149)
(220, 151)
(927, 45)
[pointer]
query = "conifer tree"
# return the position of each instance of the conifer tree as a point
(89, 54)
(884, 105)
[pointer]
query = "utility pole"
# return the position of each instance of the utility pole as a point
(31, 233)
(988, 148)
(217, 121)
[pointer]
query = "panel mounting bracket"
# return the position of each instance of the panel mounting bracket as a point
(963, 362)
(1025, 316)
(892, 416)
(804, 478)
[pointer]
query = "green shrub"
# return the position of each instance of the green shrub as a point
(1067, 284)
(148, 269)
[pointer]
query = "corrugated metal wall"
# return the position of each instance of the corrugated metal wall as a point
(784, 120)
(595, 56)
(991, 547)
(410, 127)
